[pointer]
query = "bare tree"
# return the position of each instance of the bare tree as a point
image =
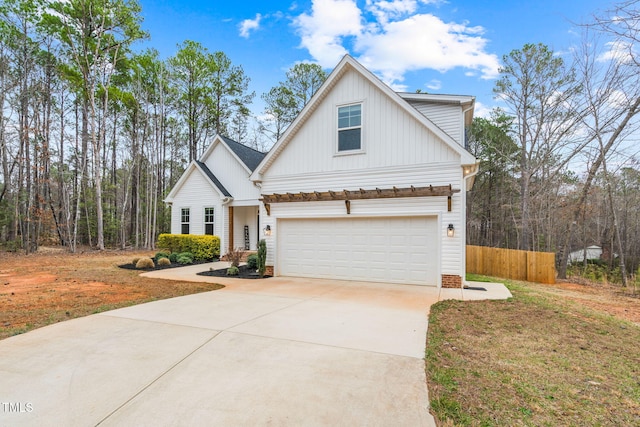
(539, 90)
(611, 103)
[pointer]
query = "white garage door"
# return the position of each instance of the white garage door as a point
(393, 250)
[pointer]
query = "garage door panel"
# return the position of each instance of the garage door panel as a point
(389, 249)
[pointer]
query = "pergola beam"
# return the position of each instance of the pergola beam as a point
(361, 194)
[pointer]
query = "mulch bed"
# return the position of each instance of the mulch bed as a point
(244, 273)
(130, 266)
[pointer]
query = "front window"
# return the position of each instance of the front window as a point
(208, 221)
(350, 127)
(184, 220)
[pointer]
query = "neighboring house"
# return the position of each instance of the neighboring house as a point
(215, 196)
(589, 253)
(369, 184)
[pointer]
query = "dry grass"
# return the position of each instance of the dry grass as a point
(53, 286)
(538, 359)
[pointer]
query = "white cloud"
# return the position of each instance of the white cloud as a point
(322, 32)
(249, 25)
(385, 10)
(425, 41)
(481, 110)
(434, 84)
(619, 51)
(394, 38)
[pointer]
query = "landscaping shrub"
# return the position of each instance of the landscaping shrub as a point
(135, 261)
(187, 254)
(252, 261)
(173, 257)
(145, 263)
(233, 271)
(262, 257)
(202, 247)
(235, 256)
(164, 262)
(160, 255)
(184, 260)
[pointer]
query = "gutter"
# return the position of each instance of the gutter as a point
(469, 173)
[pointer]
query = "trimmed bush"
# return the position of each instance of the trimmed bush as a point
(203, 248)
(164, 262)
(145, 263)
(262, 257)
(233, 271)
(160, 255)
(184, 260)
(252, 261)
(173, 257)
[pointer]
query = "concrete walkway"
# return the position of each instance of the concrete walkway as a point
(280, 351)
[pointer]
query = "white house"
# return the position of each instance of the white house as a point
(215, 196)
(369, 184)
(588, 253)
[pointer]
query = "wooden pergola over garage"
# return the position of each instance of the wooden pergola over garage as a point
(361, 194)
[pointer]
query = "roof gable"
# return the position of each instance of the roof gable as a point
(348, 63)
(201, 168)
(207, 172)
(248, 158)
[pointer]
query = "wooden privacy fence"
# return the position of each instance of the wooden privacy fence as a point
(512, 264)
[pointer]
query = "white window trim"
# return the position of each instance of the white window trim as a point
(204, 219)
(189, 222)
(361, 150)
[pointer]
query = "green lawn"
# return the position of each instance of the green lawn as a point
(534, 360)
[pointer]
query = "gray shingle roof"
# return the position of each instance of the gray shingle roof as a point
(248, 155)
(213, 178)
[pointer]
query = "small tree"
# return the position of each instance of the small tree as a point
(262, 257)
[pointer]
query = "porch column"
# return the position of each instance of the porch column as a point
(230, 228)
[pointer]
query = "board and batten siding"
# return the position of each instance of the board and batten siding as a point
(447, 117)
(233, 176)
(390, 135)
(196, 194)
(399, 176)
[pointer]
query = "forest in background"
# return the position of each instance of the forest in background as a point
(93, 134)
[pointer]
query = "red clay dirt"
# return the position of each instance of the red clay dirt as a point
(52, 285)
(612, 299)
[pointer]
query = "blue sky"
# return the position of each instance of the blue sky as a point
(452, 47)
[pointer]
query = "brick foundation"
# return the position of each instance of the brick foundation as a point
(451, 281)
(268, 270)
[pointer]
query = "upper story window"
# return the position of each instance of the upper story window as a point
(350, 127)
(184, 220)
(208, 221)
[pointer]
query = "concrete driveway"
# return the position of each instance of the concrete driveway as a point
(281, 351)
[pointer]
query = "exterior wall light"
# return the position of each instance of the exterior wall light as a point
(450, 230)
(267, 230)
